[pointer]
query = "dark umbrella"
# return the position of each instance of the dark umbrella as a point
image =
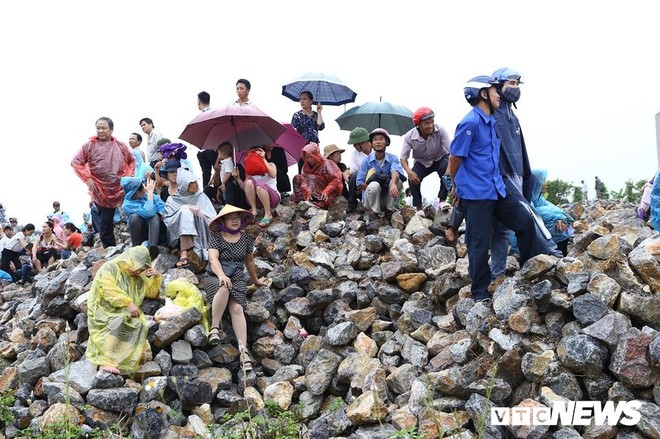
(396, 119)
(243, 126)
(326, 88)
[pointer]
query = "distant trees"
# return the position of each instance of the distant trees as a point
(561, 192)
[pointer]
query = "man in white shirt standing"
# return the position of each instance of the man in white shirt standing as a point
(149, 129)
(359, 138)
(585, 190)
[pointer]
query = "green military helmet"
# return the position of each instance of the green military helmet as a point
(358, 135)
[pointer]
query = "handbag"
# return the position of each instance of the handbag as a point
(254, 164)
(229, 267)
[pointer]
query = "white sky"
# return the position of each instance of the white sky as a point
(587, 107)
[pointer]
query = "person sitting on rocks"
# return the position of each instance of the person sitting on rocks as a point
(333, 152)
(166, 179)
(74, 240)
(359, 138)
(117, 327)
(14, 248)
(556, 220)
(230, 252)
(45, 252)
(222, 173)
(320, 181)
(187, 215)
(260, 184)
(380, 176)
(24, 275)
(143, 209)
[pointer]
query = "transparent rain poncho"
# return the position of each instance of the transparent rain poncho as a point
(115, 338)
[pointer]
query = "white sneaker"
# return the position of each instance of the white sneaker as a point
(445, 206)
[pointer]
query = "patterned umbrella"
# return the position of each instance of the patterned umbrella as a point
(326, 88)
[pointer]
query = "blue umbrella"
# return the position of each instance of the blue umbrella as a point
(326, 88)
(396, 119)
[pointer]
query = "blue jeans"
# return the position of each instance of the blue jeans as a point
(481, 216)
(439, 166)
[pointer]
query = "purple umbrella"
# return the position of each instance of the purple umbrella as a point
(242, 126)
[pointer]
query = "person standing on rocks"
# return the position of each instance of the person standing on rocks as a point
(117, 327)
(428, 142)
(478, 185)
(101, 163)
(230, 252)
(598, 185)
(585, 190)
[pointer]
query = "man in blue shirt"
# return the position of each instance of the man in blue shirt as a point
(478, 185)
(380, 176)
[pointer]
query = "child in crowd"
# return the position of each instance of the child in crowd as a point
(222, 173)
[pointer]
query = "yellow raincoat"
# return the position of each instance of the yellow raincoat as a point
(186, 295)
(115, 338)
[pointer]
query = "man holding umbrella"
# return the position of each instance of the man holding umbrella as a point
(429, 144)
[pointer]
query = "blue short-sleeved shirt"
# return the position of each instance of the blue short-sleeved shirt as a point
(476, 142)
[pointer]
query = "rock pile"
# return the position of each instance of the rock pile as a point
(367, 328)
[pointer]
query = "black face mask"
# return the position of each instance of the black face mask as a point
(511, 94)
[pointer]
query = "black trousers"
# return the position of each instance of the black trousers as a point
(107, 225)
(207, 158)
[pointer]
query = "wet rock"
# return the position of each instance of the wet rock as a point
(281, 393)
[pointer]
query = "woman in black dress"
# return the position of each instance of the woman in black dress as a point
(230, 252)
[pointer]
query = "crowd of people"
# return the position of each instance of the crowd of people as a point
(486, 180)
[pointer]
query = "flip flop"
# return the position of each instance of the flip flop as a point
(182, 263)
(265, 222)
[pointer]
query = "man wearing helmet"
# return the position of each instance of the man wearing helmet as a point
(359, 138)
(515, 170)
(380, 175)
(478, 185)
(429, 144)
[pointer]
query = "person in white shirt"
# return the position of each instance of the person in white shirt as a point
(134, 141)
(149, 129)
(359, 138)
(13, 249)
(243, 87)
(585, 190)
(223, 170)
(8, 233)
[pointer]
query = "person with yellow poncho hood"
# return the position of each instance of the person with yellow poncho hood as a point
(117, 327)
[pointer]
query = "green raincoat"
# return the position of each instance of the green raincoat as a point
(115, 338)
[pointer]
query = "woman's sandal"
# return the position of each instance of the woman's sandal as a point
(246, 361)
(214, 336)
(265, 222)
(182, 263)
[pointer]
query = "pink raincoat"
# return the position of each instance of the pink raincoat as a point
(105, 162)
(322, 178)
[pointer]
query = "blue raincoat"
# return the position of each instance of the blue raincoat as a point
(144, 207)
(548, 211)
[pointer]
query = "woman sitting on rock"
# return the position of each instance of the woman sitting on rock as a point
(45, 252)
(230, 252)
(320, 181)
(187, 215)
(117, 328)
(556, 220)
(142, 208)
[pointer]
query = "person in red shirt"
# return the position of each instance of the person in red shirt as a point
(74, 240)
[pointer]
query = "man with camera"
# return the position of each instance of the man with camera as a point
(380, 176)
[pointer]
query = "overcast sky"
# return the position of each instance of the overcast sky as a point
(587, 107)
